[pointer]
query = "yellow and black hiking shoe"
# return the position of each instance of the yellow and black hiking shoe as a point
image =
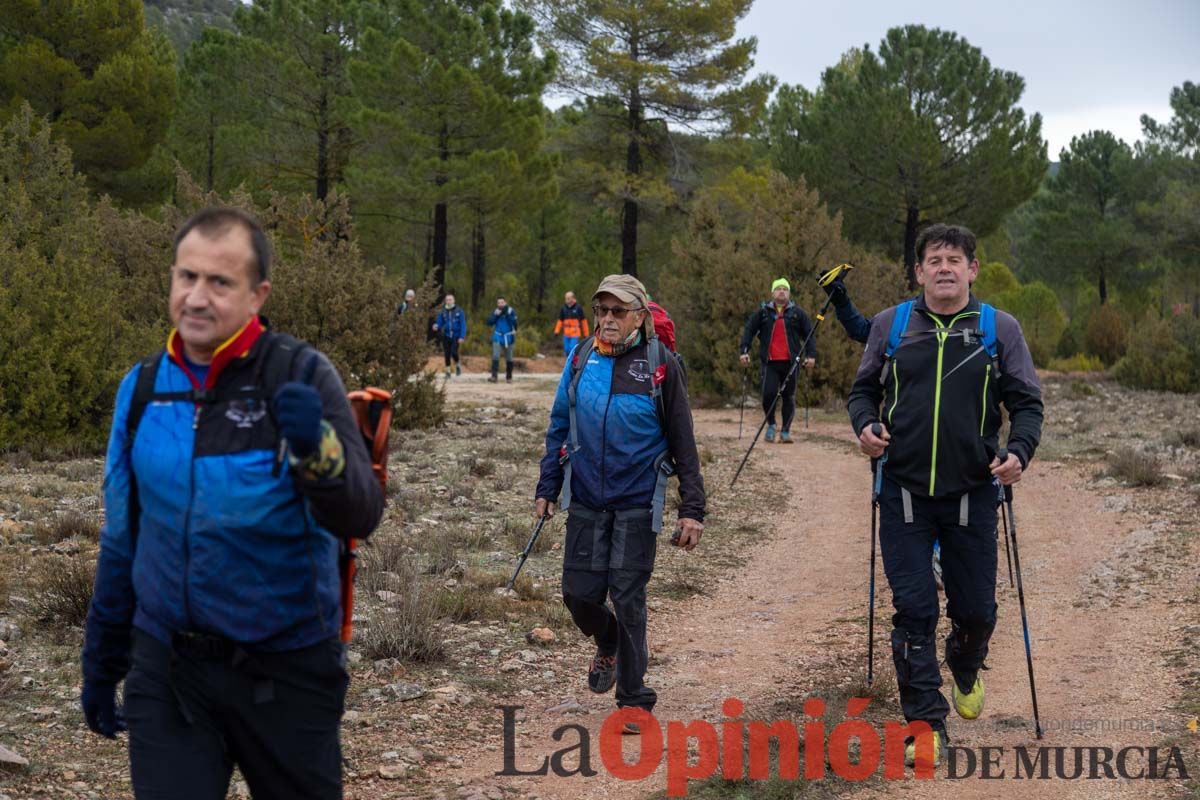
(911, 755)
(969, 705)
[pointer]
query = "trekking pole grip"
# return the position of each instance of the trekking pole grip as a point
(1002, 454)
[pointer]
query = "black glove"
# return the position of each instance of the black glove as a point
(298, 415)
(99, 701)
(836, 290)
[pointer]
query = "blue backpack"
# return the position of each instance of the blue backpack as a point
(986, 331)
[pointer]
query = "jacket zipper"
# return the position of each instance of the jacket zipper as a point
(604, 433)
(942, 333)
(187, 517)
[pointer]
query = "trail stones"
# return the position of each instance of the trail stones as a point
(11, 761)
(542, 636)
(405, 691)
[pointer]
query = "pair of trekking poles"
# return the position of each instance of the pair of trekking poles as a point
(1010, 532)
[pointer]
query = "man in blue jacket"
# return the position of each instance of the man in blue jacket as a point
(503, 322)
(451, 325)
(235, 472)
(620, 426)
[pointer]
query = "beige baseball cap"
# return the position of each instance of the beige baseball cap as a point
(627, 289)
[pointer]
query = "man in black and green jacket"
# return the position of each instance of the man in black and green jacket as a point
(937, 397)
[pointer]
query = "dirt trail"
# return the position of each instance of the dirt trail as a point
(794, 618)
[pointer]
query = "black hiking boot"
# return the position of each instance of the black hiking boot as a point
(602, 673)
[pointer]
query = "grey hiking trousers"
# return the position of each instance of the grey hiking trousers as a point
(610, 555)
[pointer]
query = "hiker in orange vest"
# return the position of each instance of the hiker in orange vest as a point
(572, 323)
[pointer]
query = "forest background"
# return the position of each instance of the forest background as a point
(393, 144)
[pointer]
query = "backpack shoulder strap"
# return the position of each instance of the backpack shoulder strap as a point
(899, 326)
(143, 394)
(277, 365)
(657, 355)
(583, 351)
(987, 323)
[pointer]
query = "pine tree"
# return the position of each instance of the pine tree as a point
(1082, 224)
(924, 131)
(105, 83)
(292, 61)
(653, 63)
(450, 95)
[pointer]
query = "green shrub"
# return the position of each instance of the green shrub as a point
(1076, 363)
(64, 332)
(1164, 355)
(737, 242)
(1105, 335)
(1042, 319)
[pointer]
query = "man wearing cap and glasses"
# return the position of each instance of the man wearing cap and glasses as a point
(781, 327)
(620, 426)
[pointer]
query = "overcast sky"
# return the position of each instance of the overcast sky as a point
(1087, 64)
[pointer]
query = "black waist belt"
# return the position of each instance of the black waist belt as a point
(203, 646)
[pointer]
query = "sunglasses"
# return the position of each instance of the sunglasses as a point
(618, 312)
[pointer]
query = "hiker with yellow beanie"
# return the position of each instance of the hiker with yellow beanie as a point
(781, 327)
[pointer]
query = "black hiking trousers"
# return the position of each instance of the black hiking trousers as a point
(275, 715)
(610, 554)
(450, 351)
(772, 377)
(969, 575)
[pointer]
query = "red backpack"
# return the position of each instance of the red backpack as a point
(664, 326)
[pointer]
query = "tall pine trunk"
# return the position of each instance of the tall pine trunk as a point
(543, 267)
(441, 225)
(323, 129)
(211, 152)
(478, 263)
(633, 168)
(911, 220)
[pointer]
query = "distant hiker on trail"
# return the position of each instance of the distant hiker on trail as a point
(410, 297)
(947, 363)
(781, 327)
(503, 322)
(451, 326)
(572, 323)
(620, 426)
(235, 468)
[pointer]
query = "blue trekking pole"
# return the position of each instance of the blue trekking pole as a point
(876, 429)
(1008, 499)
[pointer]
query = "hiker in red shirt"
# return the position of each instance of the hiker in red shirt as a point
(781, 327)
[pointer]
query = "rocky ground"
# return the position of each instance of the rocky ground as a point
(770, 609)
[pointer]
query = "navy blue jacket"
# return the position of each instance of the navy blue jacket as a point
(223, 545)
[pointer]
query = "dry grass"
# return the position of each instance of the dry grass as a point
(408, 627)
(1183, 438)
(59, 591)
(1136, 467)
(60, 527)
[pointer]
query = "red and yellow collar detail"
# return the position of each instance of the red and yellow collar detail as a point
(235, 347)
